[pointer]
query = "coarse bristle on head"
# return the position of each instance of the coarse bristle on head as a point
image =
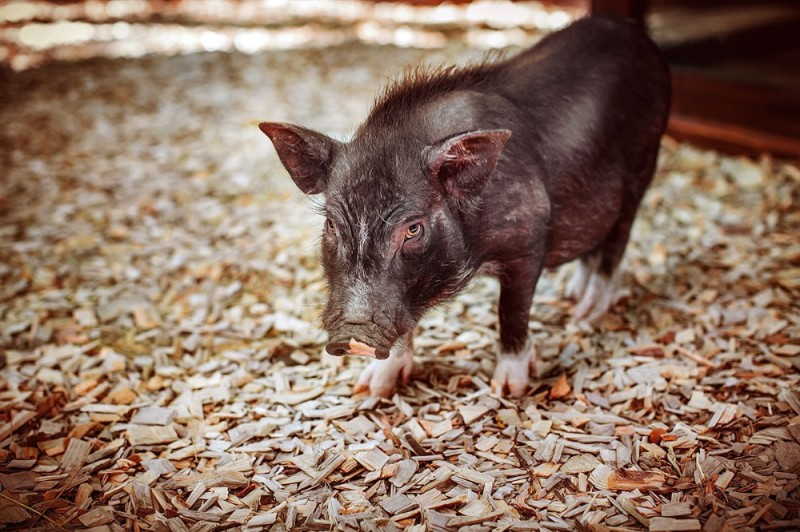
(422, 83)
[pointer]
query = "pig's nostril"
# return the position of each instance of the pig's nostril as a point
(337, 348)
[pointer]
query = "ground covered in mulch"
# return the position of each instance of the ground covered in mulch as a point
(163, 367)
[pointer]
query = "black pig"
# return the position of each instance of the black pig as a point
(506, 168)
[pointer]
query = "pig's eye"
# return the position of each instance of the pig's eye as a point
(413, 231)
(329, 227)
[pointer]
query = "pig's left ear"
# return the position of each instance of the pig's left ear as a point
(306, 154)
(461, 165)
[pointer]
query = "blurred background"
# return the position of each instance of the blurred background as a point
(736, 64)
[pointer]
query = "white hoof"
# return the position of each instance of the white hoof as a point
(512, 372)
(380, 377)
(577, 283)
(599, 296)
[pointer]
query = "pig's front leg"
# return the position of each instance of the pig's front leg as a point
(380, 377)
(516, 355)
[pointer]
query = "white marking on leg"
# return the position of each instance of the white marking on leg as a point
(600, 295)
(380, 377)
(513, 370)
(577, 283)
(587, 265)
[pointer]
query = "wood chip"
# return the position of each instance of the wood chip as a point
(18, 420)
(373, 460)
(580, 463)
(405, 470)
(398, 503)
(724, 480)
(159, 466)
(666, 524)
(97, 517)
(560, 389)
(546, 469)
(472, 413)
(628, 480)
(153, 415)
(472, 520)
(76, 454)
(676, 509)
(147, 435)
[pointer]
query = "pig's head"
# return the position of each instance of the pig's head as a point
(393, 244)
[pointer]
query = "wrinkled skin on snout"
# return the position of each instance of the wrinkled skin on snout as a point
(392, 246)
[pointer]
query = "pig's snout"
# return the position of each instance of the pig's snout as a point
(361, 320)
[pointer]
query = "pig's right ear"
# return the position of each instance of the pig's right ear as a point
(461, 165)
(306, 154)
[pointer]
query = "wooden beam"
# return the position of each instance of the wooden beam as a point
(731, 138)
(726, 113)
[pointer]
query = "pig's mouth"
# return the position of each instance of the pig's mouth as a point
(372, 337)
(350, 346)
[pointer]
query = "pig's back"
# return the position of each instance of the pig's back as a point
(586, 107)
(600, 77)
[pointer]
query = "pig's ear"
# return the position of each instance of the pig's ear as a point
(306, 154)
(461, 165)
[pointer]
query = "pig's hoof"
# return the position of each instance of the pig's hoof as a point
(380, 377)
(599, 295)
(512, 371)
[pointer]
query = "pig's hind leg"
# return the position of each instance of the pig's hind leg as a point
(594, 289)
(380, 377)
(595, 284)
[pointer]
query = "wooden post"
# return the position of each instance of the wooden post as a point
(630, 9)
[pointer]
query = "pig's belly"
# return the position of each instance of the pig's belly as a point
(566, 250)
(579, 230)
